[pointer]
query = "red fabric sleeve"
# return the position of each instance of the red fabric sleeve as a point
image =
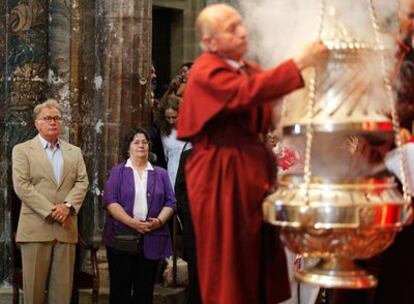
(214, 87)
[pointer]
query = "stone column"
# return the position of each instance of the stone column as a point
(109, 87)
(126, 70)
(23, 73)
(110, 90)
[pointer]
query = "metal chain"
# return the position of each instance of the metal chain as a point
(391, 96)
(310, 110)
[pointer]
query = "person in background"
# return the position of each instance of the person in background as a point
(395, 279)
(139, 196)
(49, 177)
(166, 121)
(183, 210)
(158, 157)
(404, 72)
(225, 113)
(177, 85)
(394, 266)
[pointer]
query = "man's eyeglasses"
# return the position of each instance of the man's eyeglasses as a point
(49, 119)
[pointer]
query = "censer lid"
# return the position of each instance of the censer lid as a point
(338, 37)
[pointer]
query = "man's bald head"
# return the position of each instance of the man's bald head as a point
(406, 4)
(407, 18)
(221, 31)
(209, 18)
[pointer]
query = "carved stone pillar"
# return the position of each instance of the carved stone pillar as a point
(126, 74)
(110, 74)
(23, 73)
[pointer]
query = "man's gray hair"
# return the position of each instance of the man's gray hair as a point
(49, 103)
(204, 28)
(207, 20)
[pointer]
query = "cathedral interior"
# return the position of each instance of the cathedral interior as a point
(95, 58)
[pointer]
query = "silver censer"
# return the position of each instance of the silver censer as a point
(340, 204)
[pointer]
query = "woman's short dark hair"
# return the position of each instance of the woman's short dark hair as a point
(129, 137)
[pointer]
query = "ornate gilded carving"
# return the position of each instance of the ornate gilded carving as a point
(345, 243)
(26, 15)
(28, 85)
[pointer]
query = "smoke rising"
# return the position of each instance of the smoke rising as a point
(278, 29)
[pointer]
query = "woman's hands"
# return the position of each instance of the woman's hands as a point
(146, 226)
(153, 223)
(142, 226)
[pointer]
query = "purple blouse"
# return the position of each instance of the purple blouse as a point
(120, 188)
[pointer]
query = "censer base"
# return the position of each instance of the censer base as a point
(337, 273)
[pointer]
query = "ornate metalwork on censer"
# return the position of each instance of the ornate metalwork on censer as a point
(340, 203)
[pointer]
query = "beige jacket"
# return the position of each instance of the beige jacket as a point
(35, 184)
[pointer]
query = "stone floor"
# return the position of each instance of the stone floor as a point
(162, 295)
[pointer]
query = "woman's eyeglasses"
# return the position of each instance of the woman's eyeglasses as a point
(140, 142)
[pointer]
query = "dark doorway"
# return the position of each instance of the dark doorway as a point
(161, 47)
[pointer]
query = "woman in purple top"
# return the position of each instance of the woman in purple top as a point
(139, 196)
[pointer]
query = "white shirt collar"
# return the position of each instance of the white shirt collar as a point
(149, 167)
(235, 64)
(45, 144)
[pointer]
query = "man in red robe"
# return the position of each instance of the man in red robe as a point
(225, 110)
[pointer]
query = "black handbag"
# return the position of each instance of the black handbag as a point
(127, 241)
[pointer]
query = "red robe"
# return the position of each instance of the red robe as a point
(223, 113)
